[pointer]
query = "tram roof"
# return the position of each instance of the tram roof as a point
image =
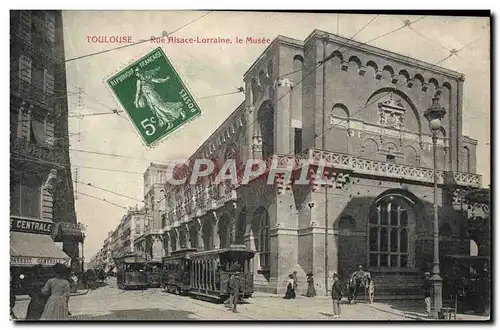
(230, 249)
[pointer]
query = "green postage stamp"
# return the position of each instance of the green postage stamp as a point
(154, 96)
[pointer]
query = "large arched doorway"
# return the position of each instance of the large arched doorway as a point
(265, 117)
(391, 232)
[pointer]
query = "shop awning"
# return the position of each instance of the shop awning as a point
(28, 249)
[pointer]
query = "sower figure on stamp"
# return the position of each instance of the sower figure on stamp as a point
(145, 95)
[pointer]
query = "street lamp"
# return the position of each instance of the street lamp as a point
(434, 114)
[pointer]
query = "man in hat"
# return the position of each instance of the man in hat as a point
(236, 291)
(427, 292)
(337, 293)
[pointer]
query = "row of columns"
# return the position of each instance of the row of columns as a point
(198, 225)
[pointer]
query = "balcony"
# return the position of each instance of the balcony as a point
(383, 169)
(37, 152)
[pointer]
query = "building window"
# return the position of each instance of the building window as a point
(25, 197)
(388, 238)
(264, 239)
(50, 27)
(37, 133)
(25, 24)
(48, 82)
(25, 69)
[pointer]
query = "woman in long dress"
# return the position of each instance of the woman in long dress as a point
(311, 290)
(38, 299)
(58, 288)
(290, 288)
(165, 112)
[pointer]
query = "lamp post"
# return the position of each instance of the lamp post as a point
(434, 114)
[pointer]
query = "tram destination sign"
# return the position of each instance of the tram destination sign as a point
(154, 96)
(31, 226)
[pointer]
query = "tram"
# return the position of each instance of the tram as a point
(176, 271)
(154, 274)
(211, 270)
(206, 274)
(130, 272)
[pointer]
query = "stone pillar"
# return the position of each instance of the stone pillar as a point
(199, 236)
(177, 239)
(215, 231)
(188, 236)
(157, 248)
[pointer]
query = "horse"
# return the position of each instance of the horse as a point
(364, 283)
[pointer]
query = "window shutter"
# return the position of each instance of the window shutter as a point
(48, 82)
(25, 24)
(50, 26)
(25, 69)
(38, 128)
(49, 129)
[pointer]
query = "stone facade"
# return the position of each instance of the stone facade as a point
(361, 113)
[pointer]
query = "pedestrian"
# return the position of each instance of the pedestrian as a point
(58, 291)
(311, 290)
(337, 293)
(33, 285)
(427, 293)
(236, 291)
(12, 301)
(290, 291)
(295, 282)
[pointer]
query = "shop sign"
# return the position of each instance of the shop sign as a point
(31, 226)
(30, 261)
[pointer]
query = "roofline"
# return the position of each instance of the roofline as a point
(406, 60)
(278, 40)
(204, 144)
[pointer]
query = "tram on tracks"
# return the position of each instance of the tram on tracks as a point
(130, 272)
(176, 271)
(154, 274)
(206, 274)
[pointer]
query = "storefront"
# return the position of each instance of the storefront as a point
(31, 244)
(73, 234)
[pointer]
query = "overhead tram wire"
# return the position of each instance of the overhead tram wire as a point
(118, 194)
(135, 43)
(320, 63)
(109, 191)
(59, 165)
(453, 51)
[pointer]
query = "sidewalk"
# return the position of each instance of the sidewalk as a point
(410, 309)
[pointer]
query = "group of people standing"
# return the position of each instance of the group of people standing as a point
(292, 284)
(50, 301)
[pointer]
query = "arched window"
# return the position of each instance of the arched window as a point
(388, 236)
(264, 239)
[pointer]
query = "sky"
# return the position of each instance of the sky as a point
(209, 70)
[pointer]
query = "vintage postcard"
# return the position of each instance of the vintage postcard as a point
(232, 165)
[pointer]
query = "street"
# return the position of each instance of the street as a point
(111, 303)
